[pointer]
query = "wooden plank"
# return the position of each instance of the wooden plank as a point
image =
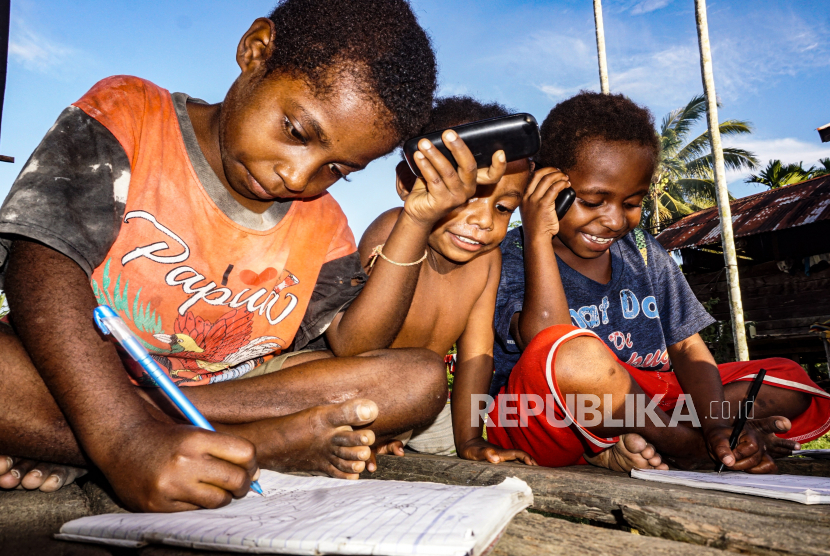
(728, 530)
(587, 492)
(28, 519)
(532, 534)
(804, 466)
(802, 323)
(4, 158)
(710, 518)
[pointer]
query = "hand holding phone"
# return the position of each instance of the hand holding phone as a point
(444, 186)
(517, 135)
(546, 200)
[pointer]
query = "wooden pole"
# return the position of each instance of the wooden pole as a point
(724, 210)
(603, 65)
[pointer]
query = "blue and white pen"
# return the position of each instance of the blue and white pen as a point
(110, 323)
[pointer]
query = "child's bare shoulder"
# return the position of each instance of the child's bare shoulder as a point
(377, 233)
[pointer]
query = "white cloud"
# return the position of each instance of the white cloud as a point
(647, 6)
(557, 93)
(787, 150)
(746, 59)
(34, 51)
(666, 77)
(558, 65)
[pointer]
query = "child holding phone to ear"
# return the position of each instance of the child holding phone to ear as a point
(454, 300)
(591, 305)
(456, 289)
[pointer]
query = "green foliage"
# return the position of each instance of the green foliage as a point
(822, 169)
(776, 174)
(718, 336)
(450, 368)
(4, 306)
(684, 182)
(822, 443)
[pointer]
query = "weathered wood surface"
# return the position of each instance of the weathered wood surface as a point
(712, 518)
(532, 534)
(783, 300)
(728, 530)
(689, 520)
(29, 519)
(804, 466)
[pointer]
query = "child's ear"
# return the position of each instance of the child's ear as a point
(255, 46)
(404, 180)
(532, 166)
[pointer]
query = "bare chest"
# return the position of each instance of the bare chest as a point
(440, 309)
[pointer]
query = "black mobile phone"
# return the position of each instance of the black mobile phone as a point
(564, 201)
(517, 135)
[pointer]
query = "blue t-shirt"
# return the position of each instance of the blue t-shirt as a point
(643, 308)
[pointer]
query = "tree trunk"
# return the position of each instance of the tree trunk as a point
(603, 66)
(655, 213)
(724, 210)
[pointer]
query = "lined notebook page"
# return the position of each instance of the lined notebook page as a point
(312, 515)
(797, 488)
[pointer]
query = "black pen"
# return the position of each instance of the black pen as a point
(738, 427)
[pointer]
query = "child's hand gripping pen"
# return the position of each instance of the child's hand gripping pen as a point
(743, 412)
(110, 323)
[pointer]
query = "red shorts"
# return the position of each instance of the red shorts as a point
(530, 430)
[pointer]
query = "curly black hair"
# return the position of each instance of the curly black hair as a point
(457, 110)
(590, 115)
(380, 39)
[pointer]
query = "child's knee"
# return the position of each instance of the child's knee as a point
(542, 343)
(580, 361)
(585, 363)
(428, 380)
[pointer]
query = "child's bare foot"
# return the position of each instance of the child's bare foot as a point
(394, 447)
(777, 447)
(28, 474)
(632, 451)
(317, 439)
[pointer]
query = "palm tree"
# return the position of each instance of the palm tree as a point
(684, 181)
(776, 174)
(600, 30)
(822, 169)
(722, 194)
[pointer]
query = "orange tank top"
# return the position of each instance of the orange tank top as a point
(209, 298)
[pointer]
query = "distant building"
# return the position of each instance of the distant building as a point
(783, 241)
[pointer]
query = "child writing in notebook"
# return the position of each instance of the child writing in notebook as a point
(454, 300)
(590, 305)
(208, 228)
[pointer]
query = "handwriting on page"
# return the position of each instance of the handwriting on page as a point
(308, 515)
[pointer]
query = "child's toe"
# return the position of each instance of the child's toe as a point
(347, 467)
(36, 476)
(13, 478)
(353, 412)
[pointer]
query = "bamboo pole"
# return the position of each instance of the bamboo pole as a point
(603, 65)
(724, 211)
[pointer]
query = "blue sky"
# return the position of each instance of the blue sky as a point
(772, 64)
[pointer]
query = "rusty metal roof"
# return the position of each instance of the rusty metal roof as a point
(777, 209)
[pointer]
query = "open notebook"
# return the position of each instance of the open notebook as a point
(320, 515)
(807, 490)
